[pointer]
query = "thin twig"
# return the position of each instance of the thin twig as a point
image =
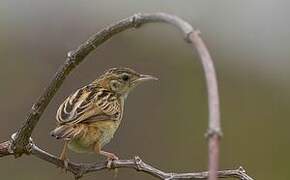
(80, 169)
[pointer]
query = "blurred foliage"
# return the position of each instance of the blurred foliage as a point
(164, 121)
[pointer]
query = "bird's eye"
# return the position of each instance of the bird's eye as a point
(125, 77)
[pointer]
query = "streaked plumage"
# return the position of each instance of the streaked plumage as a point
(88, 118)
(89, 102)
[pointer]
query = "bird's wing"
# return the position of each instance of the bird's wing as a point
(89, 104)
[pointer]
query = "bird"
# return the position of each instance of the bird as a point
(88, 119)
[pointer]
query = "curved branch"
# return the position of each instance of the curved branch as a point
(80, 169)
(214, 130)
(77, 56)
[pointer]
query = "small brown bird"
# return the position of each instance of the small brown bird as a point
(88, 119)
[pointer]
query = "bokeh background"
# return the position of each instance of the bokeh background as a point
(164, 121)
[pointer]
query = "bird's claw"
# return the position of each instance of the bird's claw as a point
(65, 165)
(110, 165)
(110, 161)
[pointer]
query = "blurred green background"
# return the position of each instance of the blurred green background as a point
(164, 121)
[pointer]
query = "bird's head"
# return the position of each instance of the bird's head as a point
(122, 80)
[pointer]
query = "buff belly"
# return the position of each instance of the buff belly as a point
(99, 133)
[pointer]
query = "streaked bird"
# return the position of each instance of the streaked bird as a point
(88, 119)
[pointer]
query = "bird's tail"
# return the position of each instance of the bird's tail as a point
(66, 132)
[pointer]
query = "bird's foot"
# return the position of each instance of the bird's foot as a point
(64, 167)
(65, 164)
(63, 157)
(110, 158)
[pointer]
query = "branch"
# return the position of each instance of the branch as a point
(80, 169)
(5, 148)
(214, 130)
(75, 57)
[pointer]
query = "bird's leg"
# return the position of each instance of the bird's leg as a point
(63, 155)
(110, 156)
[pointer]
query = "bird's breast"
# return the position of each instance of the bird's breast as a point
(108, 130)
(100, 132)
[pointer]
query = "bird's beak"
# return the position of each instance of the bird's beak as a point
(144, 77)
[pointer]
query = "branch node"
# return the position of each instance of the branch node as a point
(241, 169)
(13, 136)
(171, 176)
(194, 32)
(71, 57)
(136, 20)
(110, 164)
(70, 54)
(29, 146)
(138, 162)
(211, 132)
(35, 109)
(11, 148)
(187, 37)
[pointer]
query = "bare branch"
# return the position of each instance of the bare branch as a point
(75, 57)
(214, 130)
(5, 148)
(80, 169)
